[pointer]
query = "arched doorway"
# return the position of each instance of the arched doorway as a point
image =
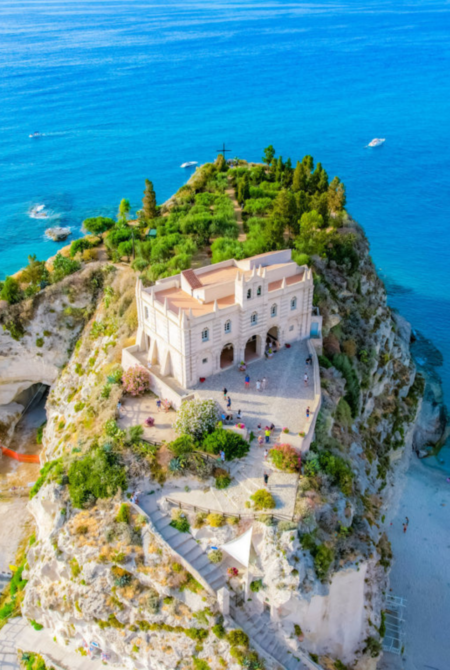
(227, 356)
(272, 338)
(252, 348)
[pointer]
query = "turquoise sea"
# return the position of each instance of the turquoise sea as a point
(126, 90)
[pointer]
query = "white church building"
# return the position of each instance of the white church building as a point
(197, 323)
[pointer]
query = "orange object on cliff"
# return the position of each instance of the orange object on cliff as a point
(24, 458)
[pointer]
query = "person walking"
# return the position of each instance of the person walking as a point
(406, 521)
(158, 404)
(238, 415)
(267, 435)
(260, 440)
(259, 429)
(307, 412)
(405, 527)
(266, 479)
(222, 456)
(225, 391)
(228, 402)
(119, 407)
(305, 379)
(264, 383)
(258, 385)
(247, 381)
(266, 453)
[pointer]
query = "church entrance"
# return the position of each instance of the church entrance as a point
(227, 356)
(252, 349)
(272, 341)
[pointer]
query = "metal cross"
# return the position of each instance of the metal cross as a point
(223, 150)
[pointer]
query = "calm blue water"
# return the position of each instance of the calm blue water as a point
(128, 90)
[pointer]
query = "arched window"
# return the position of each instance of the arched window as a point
(294, 303)
(259, 290)
(254, 319)
(227, 326)
(205, 334)
(249, 294)
(273, 310)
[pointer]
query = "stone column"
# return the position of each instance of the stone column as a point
(223, 600)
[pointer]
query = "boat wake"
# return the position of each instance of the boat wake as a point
(40, 212)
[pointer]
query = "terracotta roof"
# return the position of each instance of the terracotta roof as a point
(192, 279)
(274, 285)
(178, 299)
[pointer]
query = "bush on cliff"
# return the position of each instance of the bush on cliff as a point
(285, 458)
(98, 475)
(342, 363)
(231, 443)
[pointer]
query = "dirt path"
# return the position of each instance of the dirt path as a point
(238, 212)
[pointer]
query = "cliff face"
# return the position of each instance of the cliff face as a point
(47, 325)
(96, 574)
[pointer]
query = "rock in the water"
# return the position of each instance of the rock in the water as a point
(58, 234)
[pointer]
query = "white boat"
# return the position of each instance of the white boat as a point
(376, 142)
(189, 164)
(35, 134)
(37, 212)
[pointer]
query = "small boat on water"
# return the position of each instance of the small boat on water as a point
(58, 234)
(38, 212)
(378, 141)
(189, 164)
(35, 134)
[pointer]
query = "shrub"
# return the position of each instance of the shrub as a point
(62, 267)
(136, 381)
(79, 406)
(237, 638)
(98, 475)
(342, 363)
(200, 664)
(324, 362)
(36, 625)
(181, 524)
(98, 224)
(349, 348)
(215, 556)
(182, 445)
(256, 585)
(39, 341)
(219, 631)
(287, 525)
(338, 470)
(79, 245)
(323, 558)
(197, 417)
(263, 499)
(11, 291)
(124, 514)
(331, 345)
(373, 647)
(52, 470)
(215, 520)
(285, 458)
(231, 443)
(223, 481)
(343, 414)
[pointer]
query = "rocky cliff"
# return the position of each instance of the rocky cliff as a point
(98, 572)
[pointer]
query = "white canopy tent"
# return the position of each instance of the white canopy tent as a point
(240, 547)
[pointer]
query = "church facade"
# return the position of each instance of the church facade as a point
(199, 322)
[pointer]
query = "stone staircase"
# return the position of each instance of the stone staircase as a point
(263, 634)
(185, 545)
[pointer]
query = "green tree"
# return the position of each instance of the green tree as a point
(35, 272)
(279, 170)
(299, 179)
(221, 163)
(269, 154)
(98, 224)
(318, 180)
(243, 191)
(79, 245)
(124, 210)
(11, 291)
(62, 267)
(149, 201)
(287, 174)
(308, 164)
(336, 196)
(125, 249)
(303, 203)
(284, 215)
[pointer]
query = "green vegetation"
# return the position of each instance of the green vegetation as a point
(182, 445)
(263, 499)
(124, 514)
(256, 585)
(98, 225)
(33, 661)
(285, 458)
(231, 443)
(52, 471)
(322, 554)
(223, 481)
(99, 474)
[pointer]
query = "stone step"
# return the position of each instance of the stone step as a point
(181, 539)
(193, 553)
(200, 562)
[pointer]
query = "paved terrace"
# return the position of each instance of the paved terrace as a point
(285, 398)
(283, 403)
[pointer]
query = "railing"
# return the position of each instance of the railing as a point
(240, 515)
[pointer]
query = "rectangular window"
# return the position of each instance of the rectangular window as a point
(228, 326)
(254, 319)
(205, 360)
(205, 335)
(146, 312)
(249, 294)
(259, 290)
